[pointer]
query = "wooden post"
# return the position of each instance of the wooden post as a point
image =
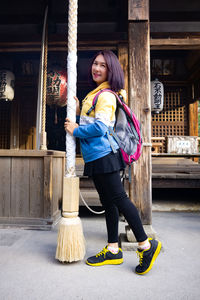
(193, 121)
(139, 94)
(123, 59)
(48, 187)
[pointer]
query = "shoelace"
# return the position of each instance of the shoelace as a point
(102, 252)
(140, 255)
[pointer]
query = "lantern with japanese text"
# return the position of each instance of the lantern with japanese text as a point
(7, 79)
(57, 87)
(157, 96)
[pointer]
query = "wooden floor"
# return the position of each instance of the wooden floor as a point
(166, 173)
(175, 173)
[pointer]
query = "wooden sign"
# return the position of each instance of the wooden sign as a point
(138, 10)
(182, 144)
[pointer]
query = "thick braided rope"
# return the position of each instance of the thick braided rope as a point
(41, 109)
(72, 26)
(44, 92)
(71, 91)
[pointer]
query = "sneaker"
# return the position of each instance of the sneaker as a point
(147, 257)
(106, 257)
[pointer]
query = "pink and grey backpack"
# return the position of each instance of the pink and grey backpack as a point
(126, 131)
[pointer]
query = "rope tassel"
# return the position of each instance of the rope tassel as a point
(71, 242)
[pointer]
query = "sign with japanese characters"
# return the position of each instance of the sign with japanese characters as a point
(157, 96)
(7, 80)
(57, 87)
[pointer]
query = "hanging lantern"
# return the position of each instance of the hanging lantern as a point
(7, 79)
(57, 87)
(157, 96)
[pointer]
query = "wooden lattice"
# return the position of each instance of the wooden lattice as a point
(5, 124)
(173, 119)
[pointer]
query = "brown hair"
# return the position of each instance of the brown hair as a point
(115, 72)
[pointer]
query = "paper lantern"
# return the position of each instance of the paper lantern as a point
(57, 87)
(157, 96)
(7, 80)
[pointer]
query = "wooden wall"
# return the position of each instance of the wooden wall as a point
(31, 184)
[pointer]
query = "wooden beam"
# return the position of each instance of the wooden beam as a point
(168, 43)
(175, 183)
(174, 27)
(139, 93)
(138, 10)
(31, 153)
(60, 45)
(175, 155)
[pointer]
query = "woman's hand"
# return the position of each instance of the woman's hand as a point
(77, 106)
(70, 126)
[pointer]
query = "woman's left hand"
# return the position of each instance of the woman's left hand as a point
(70, 126)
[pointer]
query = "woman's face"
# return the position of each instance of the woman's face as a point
(99, 70)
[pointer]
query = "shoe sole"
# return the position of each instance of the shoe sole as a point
(153, 259)
(107, 262)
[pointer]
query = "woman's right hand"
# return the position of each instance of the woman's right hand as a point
(70, 126)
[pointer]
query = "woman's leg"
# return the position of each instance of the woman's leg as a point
(111, 211)
(112, 194)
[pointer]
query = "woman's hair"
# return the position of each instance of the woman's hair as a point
(115, 72)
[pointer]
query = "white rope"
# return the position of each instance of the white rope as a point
(71, 90)
(93, 211)
(71, 114)
(40, 85)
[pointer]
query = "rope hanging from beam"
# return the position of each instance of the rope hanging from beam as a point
(71, 92)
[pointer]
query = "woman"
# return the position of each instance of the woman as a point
(104, 166)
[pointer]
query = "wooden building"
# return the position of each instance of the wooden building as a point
(152, 38)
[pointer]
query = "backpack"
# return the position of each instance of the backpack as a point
(126, 131)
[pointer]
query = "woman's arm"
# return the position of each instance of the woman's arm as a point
(97, 128)
(85, 131)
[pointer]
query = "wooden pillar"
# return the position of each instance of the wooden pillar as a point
(123, 59)
(193, 122)
(14, 128)
(193, 119)
(48, 192)
(139, 99)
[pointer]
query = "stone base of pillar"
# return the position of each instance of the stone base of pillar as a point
(128, 241)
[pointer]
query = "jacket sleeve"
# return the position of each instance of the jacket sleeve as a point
(97, 128)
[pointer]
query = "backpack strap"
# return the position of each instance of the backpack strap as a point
(113, 133)
(94, 102)
(120, 102)
(114, 149)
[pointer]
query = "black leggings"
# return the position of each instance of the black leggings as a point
(114, 200)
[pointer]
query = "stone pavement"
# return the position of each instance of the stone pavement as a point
(28, 269)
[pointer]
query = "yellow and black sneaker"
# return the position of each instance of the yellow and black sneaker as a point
(106, 257)
(147, 257)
